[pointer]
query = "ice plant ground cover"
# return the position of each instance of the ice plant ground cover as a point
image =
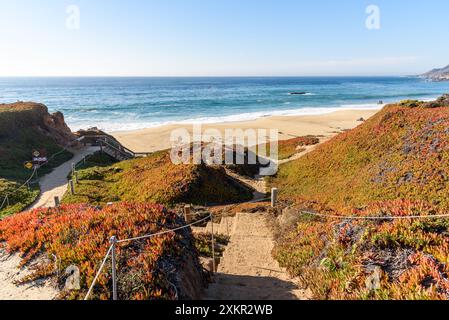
(79, 235)
(395, 164)
(156, 179)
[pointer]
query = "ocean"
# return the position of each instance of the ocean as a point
(121, 104)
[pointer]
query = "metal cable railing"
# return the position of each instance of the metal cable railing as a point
(112, 252)
(333, 216)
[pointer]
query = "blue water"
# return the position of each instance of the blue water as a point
(132, 103)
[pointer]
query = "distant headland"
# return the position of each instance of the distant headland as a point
(437, 74)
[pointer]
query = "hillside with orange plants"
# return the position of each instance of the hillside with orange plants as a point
(396, 164)
(164, 267)
(156, 179)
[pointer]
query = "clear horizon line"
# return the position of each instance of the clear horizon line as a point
(207, 76)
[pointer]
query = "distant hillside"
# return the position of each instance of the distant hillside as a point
(24, 128)
(437, 74)
(391, 156)
(394, 164)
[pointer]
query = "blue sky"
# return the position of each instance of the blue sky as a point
(221, 38)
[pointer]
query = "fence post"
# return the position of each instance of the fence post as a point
(76, 177)
(187, 213)
(213, 243)
(57, 202)
(114, 268)
(72, 187)
(274, 197)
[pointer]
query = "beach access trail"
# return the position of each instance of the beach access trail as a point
(54, 184)
(247, 270)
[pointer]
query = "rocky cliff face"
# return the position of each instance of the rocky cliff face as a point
(25, 115)
(437, 74)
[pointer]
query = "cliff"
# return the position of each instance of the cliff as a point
(20, 116)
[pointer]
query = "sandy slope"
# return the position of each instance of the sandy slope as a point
(10, 272)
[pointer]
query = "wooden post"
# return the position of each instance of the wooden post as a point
(213, 243)
(188, 213)
(76, 177)
(114, 268)
(57, 202)
(274, 197)
(71, 187)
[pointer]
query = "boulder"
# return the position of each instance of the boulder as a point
(373, 282)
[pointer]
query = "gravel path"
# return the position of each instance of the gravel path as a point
(55, 183)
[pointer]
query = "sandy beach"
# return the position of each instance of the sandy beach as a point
(327, 125)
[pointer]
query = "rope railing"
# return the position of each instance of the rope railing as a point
(274, 194)
(5, 201)
(115, 242)
(98, 273)
(9, 193)
(333, 216)
(165, 232)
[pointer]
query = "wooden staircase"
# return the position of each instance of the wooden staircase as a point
(225, 227)
(113, 148)
(247, 270)
(116, 153)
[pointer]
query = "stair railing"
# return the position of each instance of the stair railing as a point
(117, 146)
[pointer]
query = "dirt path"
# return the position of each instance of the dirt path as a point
(257, 183)
(55, 183)
(307, 150)
(247, 270)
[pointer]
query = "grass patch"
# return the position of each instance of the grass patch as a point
(156, 179)
(203, 244)
(13, 154)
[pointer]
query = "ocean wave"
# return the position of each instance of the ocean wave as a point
(249, 116)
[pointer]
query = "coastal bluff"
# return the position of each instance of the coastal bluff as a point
(19, 116)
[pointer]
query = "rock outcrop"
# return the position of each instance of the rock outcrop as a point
(24, 115)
